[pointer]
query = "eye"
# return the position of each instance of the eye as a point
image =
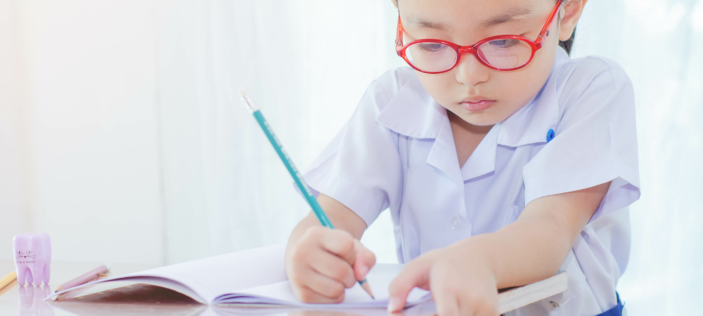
(432, 47)
(504, 43)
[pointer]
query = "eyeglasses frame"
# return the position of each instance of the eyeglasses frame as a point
(473, 49)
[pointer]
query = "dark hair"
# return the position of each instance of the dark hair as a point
(566, 45)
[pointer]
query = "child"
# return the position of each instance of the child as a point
(501, 162)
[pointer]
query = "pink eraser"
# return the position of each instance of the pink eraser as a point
(32, 258)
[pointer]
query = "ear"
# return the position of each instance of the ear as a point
(570, 12)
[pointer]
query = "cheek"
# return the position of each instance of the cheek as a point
(517, 88)
(520, 86)
(439, 86)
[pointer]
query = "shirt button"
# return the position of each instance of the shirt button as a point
(456, 222)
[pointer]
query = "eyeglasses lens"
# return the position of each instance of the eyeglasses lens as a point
(503, 53)
(430, 56)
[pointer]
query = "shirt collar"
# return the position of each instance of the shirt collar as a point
(413, 112)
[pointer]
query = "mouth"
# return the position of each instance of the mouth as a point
(476, 104)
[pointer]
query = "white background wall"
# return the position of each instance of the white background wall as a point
(225, 189)
(121, 134)
(80, 151)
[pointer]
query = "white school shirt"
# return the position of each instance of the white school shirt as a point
(397, 152)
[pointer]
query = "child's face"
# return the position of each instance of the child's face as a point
(465, 22)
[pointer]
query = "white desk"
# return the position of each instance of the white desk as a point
(132, 300)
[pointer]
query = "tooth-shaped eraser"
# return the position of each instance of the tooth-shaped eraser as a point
(32, 258)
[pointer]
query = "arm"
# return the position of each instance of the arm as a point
(322, 262)
(341, 217)
(528, 250)
(535, 246)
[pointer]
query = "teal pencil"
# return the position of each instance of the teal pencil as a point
(304, 188)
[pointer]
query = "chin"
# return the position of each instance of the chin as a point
(481, 118)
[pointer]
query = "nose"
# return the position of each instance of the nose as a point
(470, 71)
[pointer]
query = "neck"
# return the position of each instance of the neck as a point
(464, 126)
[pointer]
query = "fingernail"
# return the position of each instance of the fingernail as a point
(364, 270)
(394, 304)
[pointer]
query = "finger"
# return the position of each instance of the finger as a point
(449, 295)
(415, 273)
(324, 286)
(447, 304)
(339, 243)
(312, 287)
(334, 268)
(307, 295)
(479, 306)
(465, 305)
(487, 310)
(364, 261)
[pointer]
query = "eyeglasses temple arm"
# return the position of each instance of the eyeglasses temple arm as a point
(399, 36)
(545, 29)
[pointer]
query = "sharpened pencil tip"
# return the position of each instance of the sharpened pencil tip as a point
(365, 285)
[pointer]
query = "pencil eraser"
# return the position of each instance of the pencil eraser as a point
(32, 258)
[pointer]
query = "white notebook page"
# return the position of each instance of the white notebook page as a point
(256, 276)
(379, 278)
(229, 273)
(211, 277)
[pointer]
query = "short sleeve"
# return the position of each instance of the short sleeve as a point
(360, 167)
(595, 142)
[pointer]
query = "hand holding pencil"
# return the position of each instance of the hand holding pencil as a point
(325, 261)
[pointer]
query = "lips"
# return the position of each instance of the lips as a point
(476, 105)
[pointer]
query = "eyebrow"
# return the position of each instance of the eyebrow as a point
(517, 13)
(426, 24)
(512, 14)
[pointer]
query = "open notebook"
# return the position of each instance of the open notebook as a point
(257, 277)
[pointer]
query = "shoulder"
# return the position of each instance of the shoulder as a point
(591, 82)
(382, 90)
(590, 74)
(395, 79)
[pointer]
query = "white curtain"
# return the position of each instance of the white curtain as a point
(78, 142)
(307, 63)
(659, 43)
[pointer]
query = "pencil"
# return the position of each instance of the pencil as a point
(6, 280)
(91, 275)
(304, 188)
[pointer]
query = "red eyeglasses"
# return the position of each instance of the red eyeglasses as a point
(501, 52)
